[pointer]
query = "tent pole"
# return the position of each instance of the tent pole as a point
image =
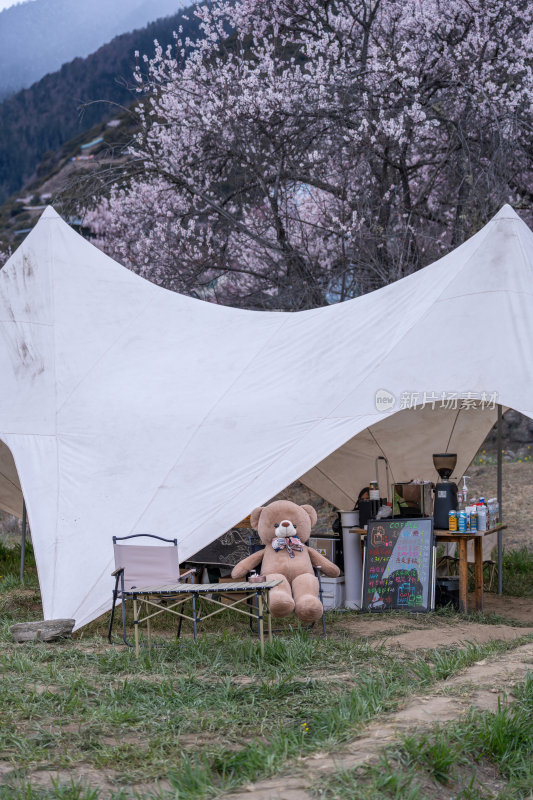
(500, 549)
(23, 543)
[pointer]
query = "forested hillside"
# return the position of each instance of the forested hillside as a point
(54, 32)
(66, 103)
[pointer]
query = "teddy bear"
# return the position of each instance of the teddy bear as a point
(284, 527)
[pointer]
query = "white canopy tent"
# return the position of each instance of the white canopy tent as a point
(127, 408)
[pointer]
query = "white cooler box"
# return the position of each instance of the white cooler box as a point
(332, 593)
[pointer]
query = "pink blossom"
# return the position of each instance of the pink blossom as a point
(301, 153)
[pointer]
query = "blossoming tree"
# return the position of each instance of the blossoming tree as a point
(303, 151)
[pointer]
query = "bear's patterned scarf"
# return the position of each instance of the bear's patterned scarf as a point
(292, 543)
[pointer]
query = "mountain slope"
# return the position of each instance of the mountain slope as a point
(38, 37)
(52, 111)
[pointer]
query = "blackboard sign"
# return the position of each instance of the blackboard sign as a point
(228, 549)
(399, 565)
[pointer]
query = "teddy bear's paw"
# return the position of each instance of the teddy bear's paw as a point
(281, 605)
(308, 608)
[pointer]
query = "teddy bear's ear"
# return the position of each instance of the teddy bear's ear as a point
(254, 517)
(311, 512)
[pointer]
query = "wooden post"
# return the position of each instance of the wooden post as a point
(499, 493)
(136, 626)
(463, 575)
(23, 543)
(478, 571)
(194, 618)
(149, 628)
(260, 614)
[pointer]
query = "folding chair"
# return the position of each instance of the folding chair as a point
(255, 544)
(138, 567)
(448, 561)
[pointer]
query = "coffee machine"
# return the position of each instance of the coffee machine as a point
(445, 490)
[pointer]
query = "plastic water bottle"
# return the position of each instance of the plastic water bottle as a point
(482, 517)
(494, 511)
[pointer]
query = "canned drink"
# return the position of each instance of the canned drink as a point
(473, 520)
(452, 520)
(461, 522)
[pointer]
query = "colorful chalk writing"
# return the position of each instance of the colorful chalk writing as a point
(398, 565)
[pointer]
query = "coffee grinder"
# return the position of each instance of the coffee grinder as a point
(445, 490)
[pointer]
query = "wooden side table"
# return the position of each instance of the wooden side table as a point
(445, 537)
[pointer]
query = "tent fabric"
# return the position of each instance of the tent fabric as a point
(11, 499)
(407, 440)
(127, 408)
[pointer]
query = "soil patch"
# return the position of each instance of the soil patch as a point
(102, 780)
(518, 609)
(455, 634)
(84, 774)
(41, 688)
(70, 727)
(5, 769)
(380, 624)
(434, 631)
(122, 739)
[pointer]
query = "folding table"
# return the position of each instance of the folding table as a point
(177, 594)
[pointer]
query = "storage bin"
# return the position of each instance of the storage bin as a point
(447, 592)
(328, 546)
(332, 593)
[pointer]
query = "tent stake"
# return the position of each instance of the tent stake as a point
(499, 446)
(23, 543)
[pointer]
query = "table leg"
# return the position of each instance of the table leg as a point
(136, 626)
(261, 630)
(267, 601)
(478, 571)
(463, 576)
(149, 629)
(194, 625)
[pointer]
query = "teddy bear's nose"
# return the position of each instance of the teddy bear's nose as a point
(285, 524)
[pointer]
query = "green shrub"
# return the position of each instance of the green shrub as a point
(518, 572)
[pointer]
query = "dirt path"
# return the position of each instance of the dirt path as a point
(482, 685)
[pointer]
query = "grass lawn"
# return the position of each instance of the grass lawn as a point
(196, 720)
